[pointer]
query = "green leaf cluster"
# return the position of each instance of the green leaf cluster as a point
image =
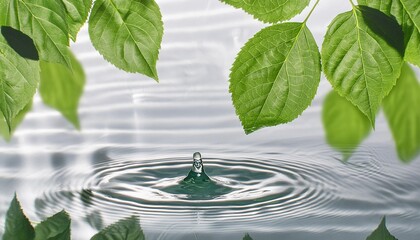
(34, 49)
(57, 227)
(346, 127)
(18, 226)
(362, 57)
(275, 76)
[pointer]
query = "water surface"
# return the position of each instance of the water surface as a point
(138, 137)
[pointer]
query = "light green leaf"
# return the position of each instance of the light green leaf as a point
(61, 88)
(4, 129)
(247, 237)
(77, 13)
(18, 226)
(381, 233)
(127, 33)
(270, 11)
(19, 78)
(126, 229)
(407, 13)
(345, 126)
(56, 227)
(402, 111)
(362, 57)
(275, 76)
(43, 21)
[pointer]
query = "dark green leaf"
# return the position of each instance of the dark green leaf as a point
(402, 111)
(20, 42)
(18, 226)
(127, 33)
(381, 233)
(77, 13)
(61, 88)
(407, 13)
(4, 129)
(345, 126)
(275, 76)
(247, 237)
(270, 11)
(43, 21)
(56, 227)
(126, 229)
(19, 78)
(362, 57)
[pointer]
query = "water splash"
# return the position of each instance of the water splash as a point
(197, 185)
(197, 174)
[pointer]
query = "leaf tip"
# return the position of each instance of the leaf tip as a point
(153, 75)
(372, 123)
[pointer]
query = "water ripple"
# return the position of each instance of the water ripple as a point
(255, 189)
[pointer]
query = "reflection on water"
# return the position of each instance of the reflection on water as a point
(137, 136)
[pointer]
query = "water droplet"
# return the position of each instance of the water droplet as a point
(197, 155)
(197, 173)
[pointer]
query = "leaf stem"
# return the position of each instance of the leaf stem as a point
(352, 3)
(310, 13)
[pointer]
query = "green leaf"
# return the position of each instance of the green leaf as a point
(126, 229)
(4, 129)
(407, 13)
(17, 226)
(275, 76)
(43, 21)
(62, 88)
(19, 78)
(381, 233)
(345, 126)
(247, 237)
(362, 57)
(270, 11)
(56, 227)
(77, 13)
(20, 42)
(402, 111)
(128, 34)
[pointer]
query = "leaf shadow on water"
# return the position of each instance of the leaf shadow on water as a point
(18, 227)
(346, 127)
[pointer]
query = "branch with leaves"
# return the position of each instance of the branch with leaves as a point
(273, 79)
(276, 74)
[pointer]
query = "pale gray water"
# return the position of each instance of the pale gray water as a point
(138, 138)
